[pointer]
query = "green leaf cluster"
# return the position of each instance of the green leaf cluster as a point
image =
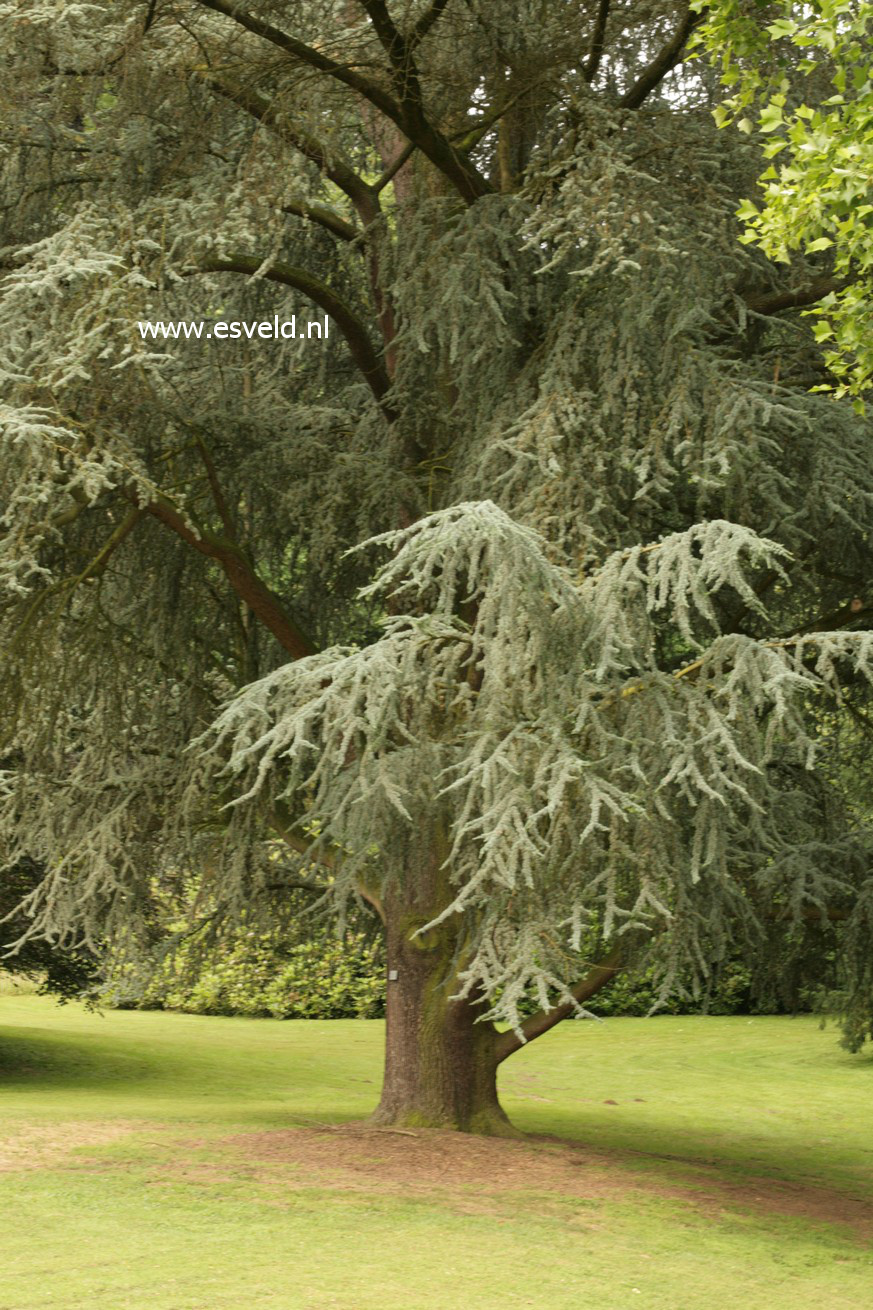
(264, 974)
(818, 197)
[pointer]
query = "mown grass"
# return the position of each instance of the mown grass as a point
(16, 984)
(703, 1125)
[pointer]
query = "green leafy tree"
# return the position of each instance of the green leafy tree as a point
(817, 196)
(510, 606)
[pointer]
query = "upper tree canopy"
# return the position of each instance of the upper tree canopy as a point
(549, 359)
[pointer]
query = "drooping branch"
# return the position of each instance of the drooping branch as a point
(544, 1020)
(266, 111)
(362, 350)
(664, 62)
(595, 50)
(240, 573)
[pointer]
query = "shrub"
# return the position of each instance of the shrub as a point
(264, 973)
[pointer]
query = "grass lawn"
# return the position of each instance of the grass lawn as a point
(172, 1162)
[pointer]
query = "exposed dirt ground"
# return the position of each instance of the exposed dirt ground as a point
(429, 1162)
(45, 1146)
(472, 1174)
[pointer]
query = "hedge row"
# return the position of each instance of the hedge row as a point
(257, 974)
(281, 975)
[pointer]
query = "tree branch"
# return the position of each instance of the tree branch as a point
(324, 217)
(854, 611)
(407, 113)
(460, 171)
(595, 50)
(295, 883)
(290, 828)
(290, 831)
(544, 1020)
(365, 199)
(774, 302)
(357, 338)
(472, 136)
(305, 54)
(394, 167)
(598, 977)
(215, 486)
(97, 566)
(241, 575)
(265, 111)
(665, 60)
(391, 40)
(426, 22)
(81, 180)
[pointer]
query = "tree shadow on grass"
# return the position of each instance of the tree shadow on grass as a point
(500, 1175)
(739, 1160)
(33, 1058)
(146, 1079)
(777, 1184)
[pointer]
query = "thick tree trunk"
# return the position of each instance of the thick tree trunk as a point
(440, 1064)
(441, 1058)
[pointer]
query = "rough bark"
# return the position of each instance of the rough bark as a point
(441, 1056)
(440, 1063)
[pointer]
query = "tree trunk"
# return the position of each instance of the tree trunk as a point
(441, 1057)
(440, 1064)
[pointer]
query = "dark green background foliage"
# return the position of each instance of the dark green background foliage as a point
(63, 973)
(294, 975)
(300, 969)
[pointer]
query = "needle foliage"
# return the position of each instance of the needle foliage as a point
(546, 561)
